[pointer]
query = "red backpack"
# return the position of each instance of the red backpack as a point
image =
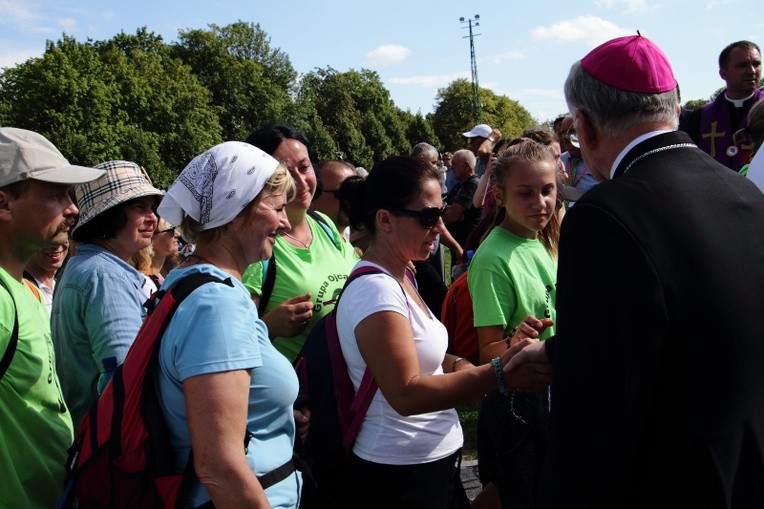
(121, 456)
(456, 314)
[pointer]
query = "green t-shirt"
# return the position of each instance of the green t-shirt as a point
(35, 425)
(511, 277)
(320, 270)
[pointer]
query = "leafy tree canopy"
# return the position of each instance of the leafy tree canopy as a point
(117, 99)
(453, 114)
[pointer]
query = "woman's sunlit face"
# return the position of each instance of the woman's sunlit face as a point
(294, 155)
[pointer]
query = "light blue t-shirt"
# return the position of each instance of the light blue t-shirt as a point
(217, 329)
(582, 178)
(97, 311)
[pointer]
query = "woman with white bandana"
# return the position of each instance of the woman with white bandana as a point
(219, 373)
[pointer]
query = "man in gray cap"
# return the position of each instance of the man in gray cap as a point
(658, 387)
(36, 212)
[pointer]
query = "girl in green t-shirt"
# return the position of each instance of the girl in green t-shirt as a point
(513, 276)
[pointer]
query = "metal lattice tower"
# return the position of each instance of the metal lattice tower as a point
(477, 107)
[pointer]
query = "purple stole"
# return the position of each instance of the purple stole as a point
(716, 132)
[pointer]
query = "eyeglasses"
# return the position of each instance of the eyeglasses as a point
(572, 137)
(320, 190)
(171, 230)
(428, 216)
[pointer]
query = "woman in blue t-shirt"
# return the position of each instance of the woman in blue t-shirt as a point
(219, 374)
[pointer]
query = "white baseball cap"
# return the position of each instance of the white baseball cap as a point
(29, 155)
(481, 130)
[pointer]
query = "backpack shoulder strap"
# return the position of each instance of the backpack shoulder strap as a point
(183, 288)
(368, 386)
(321, 220)
(33, 288)
(188, 284)
(269, 281)
(10, 351)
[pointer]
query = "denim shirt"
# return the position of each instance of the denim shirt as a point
(97, 311)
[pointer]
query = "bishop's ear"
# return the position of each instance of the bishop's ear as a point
(588, 134)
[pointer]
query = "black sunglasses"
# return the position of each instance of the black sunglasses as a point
(428, 216)
(171, 229)
(320, 190)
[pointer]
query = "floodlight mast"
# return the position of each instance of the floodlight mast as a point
(477, 107)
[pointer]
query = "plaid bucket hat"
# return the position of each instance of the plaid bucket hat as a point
(123, 181)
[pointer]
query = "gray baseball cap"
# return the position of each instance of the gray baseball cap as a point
(29, 155)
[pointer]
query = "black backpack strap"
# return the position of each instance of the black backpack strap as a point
(10, 351)
(188, 284)
(269, 280)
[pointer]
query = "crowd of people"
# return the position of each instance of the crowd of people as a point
(615, 266)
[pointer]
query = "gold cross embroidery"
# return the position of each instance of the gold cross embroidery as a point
(713, 134)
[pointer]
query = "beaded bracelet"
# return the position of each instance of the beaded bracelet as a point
(496, 362)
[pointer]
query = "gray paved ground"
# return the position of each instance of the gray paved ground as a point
(470, 478)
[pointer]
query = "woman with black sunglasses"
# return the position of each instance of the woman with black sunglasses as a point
(407, 451)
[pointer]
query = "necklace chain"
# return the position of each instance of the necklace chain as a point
(655, 151)
(298, 240)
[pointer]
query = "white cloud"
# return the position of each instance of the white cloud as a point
(16, 13)
(68, 24)
(552, 93)
(591, 30)
(429, 81)
(636, 5)
(711, 4)
(631, 5)
(13, 57)
(505, 57)
(21, 15)
(386, 54)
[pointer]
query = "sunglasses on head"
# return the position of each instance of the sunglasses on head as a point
(428, 216)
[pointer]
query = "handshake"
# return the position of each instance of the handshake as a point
(525, 364)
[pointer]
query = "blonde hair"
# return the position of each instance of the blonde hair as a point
(142, 259)
(162, 225)
(531, 151)
(280, 182)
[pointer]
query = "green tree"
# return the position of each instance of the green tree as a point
(125, 98)
(419, 129)
(694, 104)
(355, 111)
(251, 83)
(453, 113)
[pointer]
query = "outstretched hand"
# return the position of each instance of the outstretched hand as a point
(531, 327)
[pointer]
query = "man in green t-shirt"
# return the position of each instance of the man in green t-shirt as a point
(36, 212)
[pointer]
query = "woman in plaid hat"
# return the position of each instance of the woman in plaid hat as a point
(98, 304)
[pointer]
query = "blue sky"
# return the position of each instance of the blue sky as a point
(524, 49)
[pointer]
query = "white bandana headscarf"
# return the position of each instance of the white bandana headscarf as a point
(216, 185)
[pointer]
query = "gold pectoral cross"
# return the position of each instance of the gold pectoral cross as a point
(713, 134)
